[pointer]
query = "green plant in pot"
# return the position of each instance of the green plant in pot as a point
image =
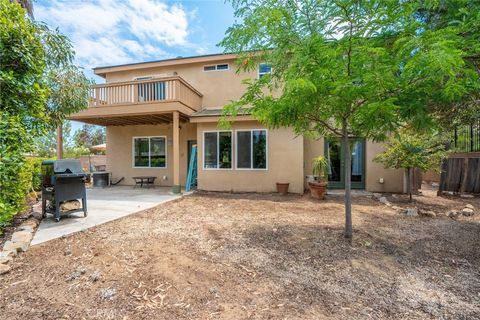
(318, 187)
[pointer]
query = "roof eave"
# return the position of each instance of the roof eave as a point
(102, 71)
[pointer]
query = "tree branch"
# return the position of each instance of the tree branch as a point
(313, 118)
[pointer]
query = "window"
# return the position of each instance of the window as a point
(263, 69)
(209, 68)
(222, 66)
(149, 152)
(252, 149)
(218, 67)
(143, 78)
(217, 150)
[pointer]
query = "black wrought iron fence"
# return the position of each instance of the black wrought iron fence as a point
(467, 138)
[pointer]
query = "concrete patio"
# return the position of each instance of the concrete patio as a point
(103, 205)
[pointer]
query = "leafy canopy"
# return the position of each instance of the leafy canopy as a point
(408, 149)
(89, 135)
(39, 87)
(461, 18)
(366, 65)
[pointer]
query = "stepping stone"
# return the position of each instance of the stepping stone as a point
(22, 236)
(4, 268)
(30, 222)
(26, 228)
(6, 260)
(4, 254)
(16, 246)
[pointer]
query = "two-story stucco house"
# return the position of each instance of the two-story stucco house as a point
(155, 111)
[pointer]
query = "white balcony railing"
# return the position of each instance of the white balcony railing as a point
(146, 91)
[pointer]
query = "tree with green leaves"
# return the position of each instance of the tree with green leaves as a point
(45, 145)
(39, 86)
(410, 150)
(461, 19)
(345, 68)
(89, 135)
(25, 4)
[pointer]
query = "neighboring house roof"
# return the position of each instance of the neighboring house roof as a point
(99, 147)
(101, 71)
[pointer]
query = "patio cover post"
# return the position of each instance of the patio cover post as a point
(176, 153)
(59, 142)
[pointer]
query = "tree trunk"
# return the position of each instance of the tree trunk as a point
(60, 142)
(409, 183)
(348, 183)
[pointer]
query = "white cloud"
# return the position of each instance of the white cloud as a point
(111, 32)
(154, 20)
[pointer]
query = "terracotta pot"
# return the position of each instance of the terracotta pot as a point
(282, 187)
(318, 189)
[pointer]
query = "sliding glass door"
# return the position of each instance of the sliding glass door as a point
(336, 173)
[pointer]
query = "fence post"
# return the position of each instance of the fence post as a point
(463, 186)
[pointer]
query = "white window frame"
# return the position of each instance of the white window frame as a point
(263, 73)
(149, 148)
(251, 149)
(216, 66)
(218, 149)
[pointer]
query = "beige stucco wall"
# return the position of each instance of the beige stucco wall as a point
(285, 163)
(218, 87)
(289, 160)
(393, 178)
(120, 151)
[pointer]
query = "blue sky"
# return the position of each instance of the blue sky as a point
(110, 32)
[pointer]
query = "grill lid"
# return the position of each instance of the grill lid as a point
(68, 166)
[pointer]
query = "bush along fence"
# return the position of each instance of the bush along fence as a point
(18, 177)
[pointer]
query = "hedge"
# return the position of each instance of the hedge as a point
(15, 187)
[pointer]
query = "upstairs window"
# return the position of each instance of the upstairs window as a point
(222, 66)
(216, 67)
(209, 68)
(143, 78)
(263, 69)
(217, 150)
(252, 149)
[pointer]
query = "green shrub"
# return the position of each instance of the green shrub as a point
(36, 164)
(19, 176)
(40, 85)
(16, 183)
(76, 152)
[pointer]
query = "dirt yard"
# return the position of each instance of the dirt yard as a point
(226, 256)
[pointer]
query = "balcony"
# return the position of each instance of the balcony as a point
(140, 102)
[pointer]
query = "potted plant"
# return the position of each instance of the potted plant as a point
(318, 187)
(282, 187)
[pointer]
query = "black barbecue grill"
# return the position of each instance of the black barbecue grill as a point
(62, 180)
